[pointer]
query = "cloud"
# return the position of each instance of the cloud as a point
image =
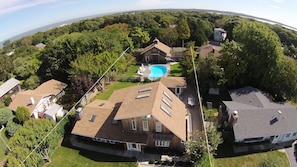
(9, 6)
(279, 1)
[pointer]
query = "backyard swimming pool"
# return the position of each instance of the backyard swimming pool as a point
(157, 71)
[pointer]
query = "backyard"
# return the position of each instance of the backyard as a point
(253, 160)
(67, 156)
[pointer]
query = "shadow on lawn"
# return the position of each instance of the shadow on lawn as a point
(93, 155)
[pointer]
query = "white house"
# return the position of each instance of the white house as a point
(41, 101)
(254, 117)
(219, 34)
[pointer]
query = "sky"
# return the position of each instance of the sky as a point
(19, 16)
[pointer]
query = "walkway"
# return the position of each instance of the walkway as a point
(291, 157)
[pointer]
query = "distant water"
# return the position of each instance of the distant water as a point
(44, 28)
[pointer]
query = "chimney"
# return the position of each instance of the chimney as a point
(79, 113)
(233, 118)
(32, 101)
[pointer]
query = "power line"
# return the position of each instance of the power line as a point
(200, 105)
(73, 107)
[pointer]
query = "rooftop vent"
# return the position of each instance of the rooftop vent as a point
(32, 101)
(166, 102)
(145, 89)
(92, 118)
(142, 96)
(274, 120)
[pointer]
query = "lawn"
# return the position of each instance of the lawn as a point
(64, 156)
(252, 160)
(175, 70)
(112, 87)
(2, 145)
(132, 70)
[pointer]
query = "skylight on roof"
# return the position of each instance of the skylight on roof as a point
(166, 102)
(274, 120)
(142, 96)
(145, 89)
(92, 118)
(166, 111)
(167, 95)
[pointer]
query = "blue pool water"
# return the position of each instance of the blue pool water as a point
(157, 71)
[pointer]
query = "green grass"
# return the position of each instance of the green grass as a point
(252, 160)
(112, 87)
(175, 70)
(132, 70)
(2, 145)
(64, 156)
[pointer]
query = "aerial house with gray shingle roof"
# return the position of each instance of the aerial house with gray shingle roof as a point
(147, 115)
(254, 117)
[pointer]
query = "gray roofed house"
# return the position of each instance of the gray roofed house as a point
(9, 87)
(254, 117)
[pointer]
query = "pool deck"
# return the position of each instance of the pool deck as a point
(147, 70)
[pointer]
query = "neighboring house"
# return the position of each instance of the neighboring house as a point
(40, 46)
(135, 118)
(176, 84)
(219, 34)
(41, 101)
(254, 117)
(210, 49)
(9, 88)
(157, 52)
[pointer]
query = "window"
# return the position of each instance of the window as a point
(145, 125)
(158, 127)
(166, 102)
(288, 135)
(161, 143)
(294, 134)
(167, 95)
(133, 123)
(165, 110)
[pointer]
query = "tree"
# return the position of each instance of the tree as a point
(11, 127)
(22, 114)
(139, 37)
(5, 115)
(32, 82)
(232, 64)
(81, 84)
(6, 67)
(183, 29)
(261, 50)
(26, 139)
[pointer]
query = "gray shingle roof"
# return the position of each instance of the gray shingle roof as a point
(258, 116)
(8, 85)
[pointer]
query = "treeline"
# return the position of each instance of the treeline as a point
(80, 52)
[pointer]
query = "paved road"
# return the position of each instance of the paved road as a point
(291, 156)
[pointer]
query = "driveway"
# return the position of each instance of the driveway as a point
(291, 156)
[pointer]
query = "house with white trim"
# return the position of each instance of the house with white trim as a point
(9, 88)
(254, 117)
(135, 118)
(41, 101)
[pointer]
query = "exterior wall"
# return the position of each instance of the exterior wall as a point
(12, 91)
(219, 36)
(155, 56)
(284, 137)
(175, 142)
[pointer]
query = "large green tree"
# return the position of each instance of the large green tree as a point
(139, 37)
(22, 114)
(26, 139)
(183, 29)
(261, 50)
(5, 115)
